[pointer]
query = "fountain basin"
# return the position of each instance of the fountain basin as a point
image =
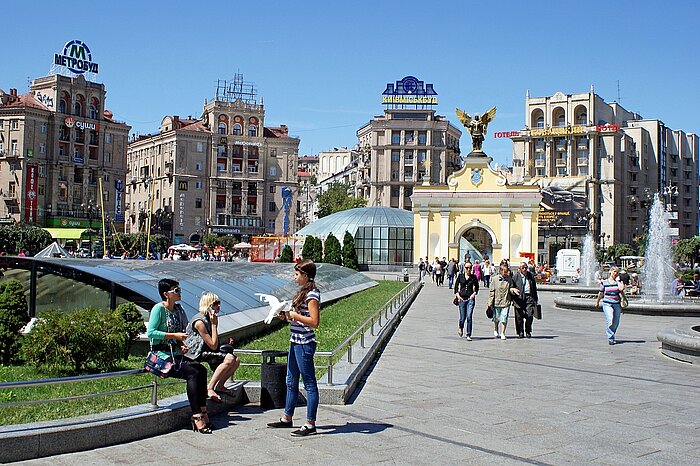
(682, 343)
(586, 302)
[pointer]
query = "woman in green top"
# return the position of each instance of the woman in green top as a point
(165, 331)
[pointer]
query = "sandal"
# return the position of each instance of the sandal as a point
(215, 397)
(206, 429)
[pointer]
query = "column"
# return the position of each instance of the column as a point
(424, 238)
(444, 233)
(527, 231)
(505, 235)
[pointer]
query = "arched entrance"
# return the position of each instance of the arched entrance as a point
(476, 242)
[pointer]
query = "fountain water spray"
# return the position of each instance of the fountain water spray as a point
(589, 264)
(658, 268)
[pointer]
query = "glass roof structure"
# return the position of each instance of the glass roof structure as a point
(350, 220)
(236, 283)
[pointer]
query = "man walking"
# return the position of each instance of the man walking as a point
(525, 302)
(451, 272)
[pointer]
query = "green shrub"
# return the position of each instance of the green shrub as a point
(332, 254)
(132, 324)
(13, 316)
(317, 251)
(349, 252)
(76, 341)
(287, 255)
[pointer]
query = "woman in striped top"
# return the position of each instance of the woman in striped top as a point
(609, 291)
(303, 318)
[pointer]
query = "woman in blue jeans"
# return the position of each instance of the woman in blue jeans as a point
(304, 318)
(609, 291)
(466, 289)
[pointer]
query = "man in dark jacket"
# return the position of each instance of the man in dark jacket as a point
(525, 302)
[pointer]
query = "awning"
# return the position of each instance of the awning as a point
(65, 233)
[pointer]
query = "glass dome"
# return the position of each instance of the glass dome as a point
(383, 235)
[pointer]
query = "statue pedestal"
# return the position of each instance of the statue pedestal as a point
(476, 153)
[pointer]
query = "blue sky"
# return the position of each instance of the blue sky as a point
(321, 66)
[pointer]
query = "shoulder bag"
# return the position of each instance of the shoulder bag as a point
(624, 302)
(157, 365)
(489, 312)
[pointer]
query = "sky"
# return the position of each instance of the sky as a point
(321, 66)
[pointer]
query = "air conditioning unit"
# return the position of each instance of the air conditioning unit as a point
(134, 179)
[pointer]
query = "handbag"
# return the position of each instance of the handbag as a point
(455, 301)
(538, 312)
(157, 365)
(489, 312)
(624, 302)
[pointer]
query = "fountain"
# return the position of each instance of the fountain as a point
(589, 264)
(657, 271)
(680, 342)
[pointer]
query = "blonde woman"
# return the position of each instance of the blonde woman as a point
(501, 293)
(224, 365)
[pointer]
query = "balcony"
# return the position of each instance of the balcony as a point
(581, 146)
(251, 210)
(561, 162)
(252, 169)
(10, 195)
(539, 163)
(582, 161)
(539, 148)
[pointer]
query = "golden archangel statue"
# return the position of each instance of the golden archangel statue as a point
(476, 126)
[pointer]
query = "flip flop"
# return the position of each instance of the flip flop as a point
(225, 391)
(215, 398)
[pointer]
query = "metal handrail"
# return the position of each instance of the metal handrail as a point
(393, 304)
(84, 378)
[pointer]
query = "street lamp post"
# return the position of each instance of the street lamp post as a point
(89, 209)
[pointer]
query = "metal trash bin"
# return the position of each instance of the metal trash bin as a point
(273, 380)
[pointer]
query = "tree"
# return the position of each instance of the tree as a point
(687, 250)
(287, 255)
(349, 252)
(13, 316)
(23, 236)
(336, 199)
(618, 250)
(308, 248)
(211, 240)
(332, 253)
(317, 251)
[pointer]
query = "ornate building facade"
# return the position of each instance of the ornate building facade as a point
(599, 166)
(223, 173)
(57, 142)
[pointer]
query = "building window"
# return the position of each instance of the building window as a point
(252, 131)
(237, 129)
(42, 128)
(408, 137)
(197, 185)
(14, 124)
(42, 148)
(198, 166)
(105, 194)
(395, 191)
(272, 207)
(273, 189)
(271, 225)
(395, 155)
(273, 171)
(222, 128)
(198, 203)
(396, 137)
(200, 147)
(273, 152)
(422, 138)
(108, 138)
(561, 120)
(107, 157)
(540, 122)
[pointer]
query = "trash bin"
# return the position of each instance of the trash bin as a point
(405, 275)
(273, 380)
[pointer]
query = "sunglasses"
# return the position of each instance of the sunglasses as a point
(216, 303)
(177, 290)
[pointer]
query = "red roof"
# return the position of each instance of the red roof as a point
(194, 125)
(280, 132)
(26, 100)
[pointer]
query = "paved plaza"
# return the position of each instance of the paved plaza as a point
(563, 396)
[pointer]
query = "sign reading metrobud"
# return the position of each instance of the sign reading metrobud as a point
(77, 58)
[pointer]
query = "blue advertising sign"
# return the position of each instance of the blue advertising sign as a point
(77, 58)
(409, 91)
(286, 202)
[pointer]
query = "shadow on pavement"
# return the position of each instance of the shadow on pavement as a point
(355, 428)
(622, 342)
